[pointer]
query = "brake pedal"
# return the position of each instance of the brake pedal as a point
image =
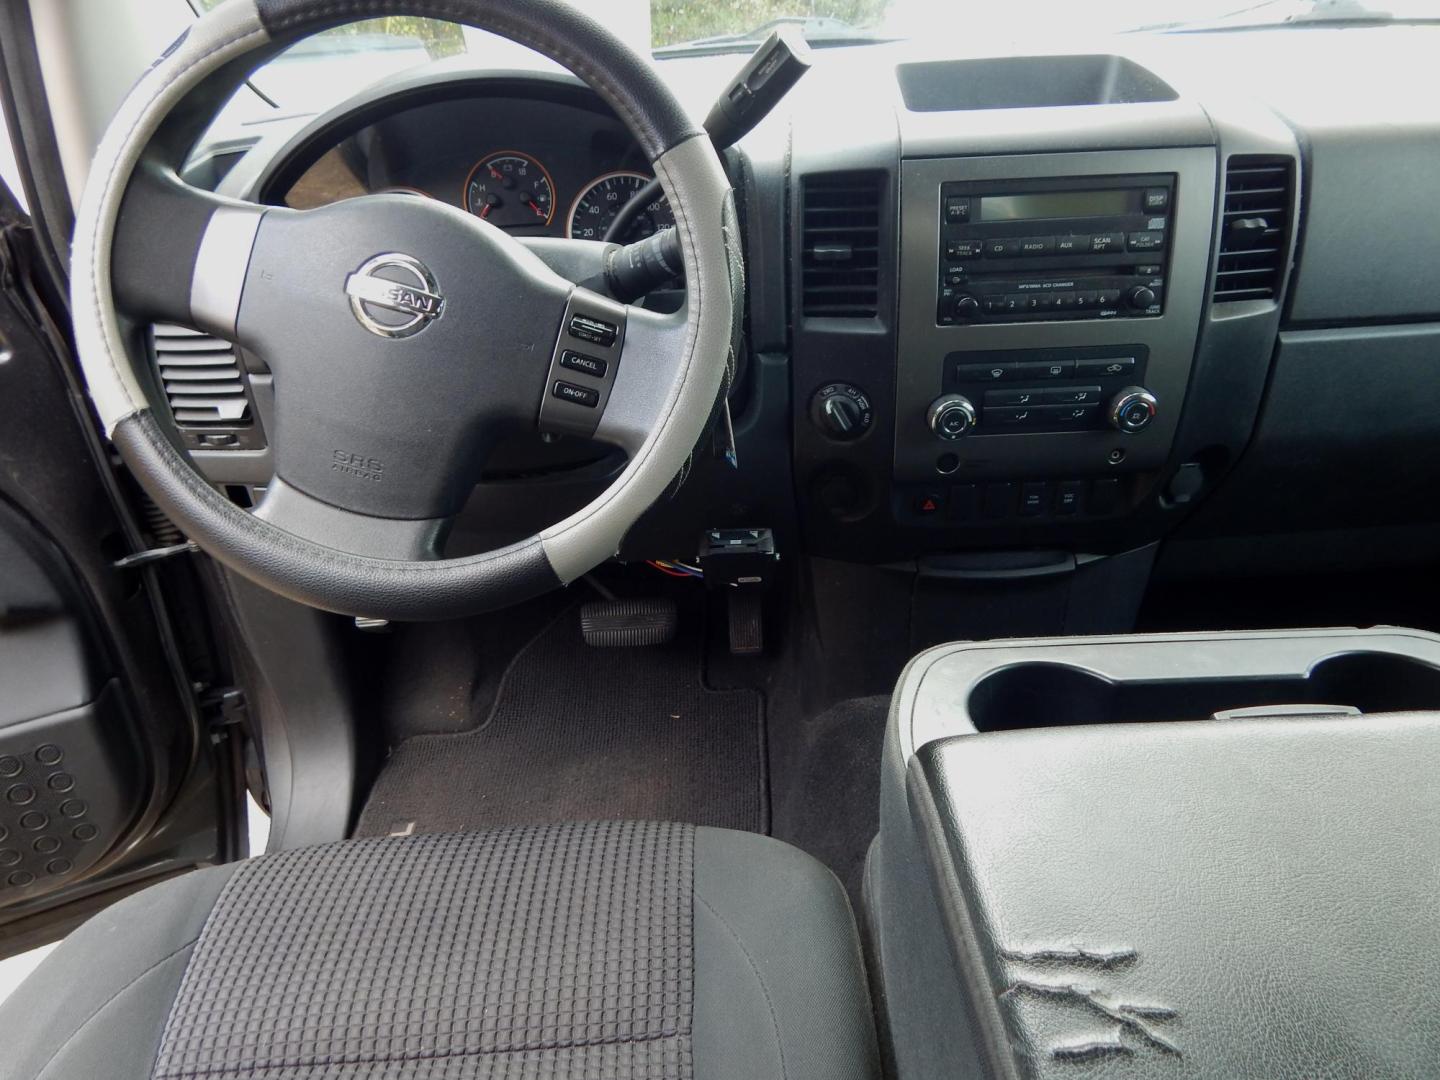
(609, 624)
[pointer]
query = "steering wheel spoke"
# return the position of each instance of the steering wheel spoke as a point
(181, 255)
(396, 539)
(630, 391)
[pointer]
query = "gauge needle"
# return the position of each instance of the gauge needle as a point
(530, 202)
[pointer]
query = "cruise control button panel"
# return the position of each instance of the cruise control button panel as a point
(583, 365)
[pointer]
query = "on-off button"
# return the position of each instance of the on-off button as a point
(576, 395)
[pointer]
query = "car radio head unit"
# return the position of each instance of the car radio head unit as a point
(1047, 249)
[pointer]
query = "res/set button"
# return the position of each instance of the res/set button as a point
(596, 331)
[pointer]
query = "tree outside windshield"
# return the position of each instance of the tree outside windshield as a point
(672, 22)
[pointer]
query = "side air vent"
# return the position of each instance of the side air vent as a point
(840, 245)
(205, 387)
(1259, 196)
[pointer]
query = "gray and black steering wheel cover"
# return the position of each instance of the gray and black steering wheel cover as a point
(320, 576)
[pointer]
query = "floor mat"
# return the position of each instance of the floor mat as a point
(578, 733)
(827, 784)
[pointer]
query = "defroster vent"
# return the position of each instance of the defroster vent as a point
(1255, 229)
(840, 245)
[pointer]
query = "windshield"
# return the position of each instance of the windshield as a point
(332, 66)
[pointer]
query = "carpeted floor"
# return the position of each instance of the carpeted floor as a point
(578, 733)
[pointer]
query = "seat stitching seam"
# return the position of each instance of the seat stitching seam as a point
(108, 1001)
(438, 1055)
(755, 970)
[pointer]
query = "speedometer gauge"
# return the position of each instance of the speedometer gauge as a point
(598, 204)
(511, 190)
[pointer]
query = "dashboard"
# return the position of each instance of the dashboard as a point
(533, 165)
(1059, 306)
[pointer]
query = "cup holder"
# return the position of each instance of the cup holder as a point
(1048, 694)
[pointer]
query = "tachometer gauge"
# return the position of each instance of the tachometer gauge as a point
(602, 199)
(511, 190)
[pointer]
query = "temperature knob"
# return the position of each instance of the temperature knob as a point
(952, 417)
(1132, 410)
(842, 411)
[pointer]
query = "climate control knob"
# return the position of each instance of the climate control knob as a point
(842, 411)
(1132, 410)
(952, 417)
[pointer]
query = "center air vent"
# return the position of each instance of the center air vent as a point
(1255, 229)
(840, 245)
(205, 387)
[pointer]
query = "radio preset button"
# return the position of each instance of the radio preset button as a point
(1148, 240)
(1079, 244)
(1109, 297)
(1064, 301)
(957, 209)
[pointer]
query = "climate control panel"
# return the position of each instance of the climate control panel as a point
(1045, 390)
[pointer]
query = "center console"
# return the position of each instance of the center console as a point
(1208, 855)
(1048, 312)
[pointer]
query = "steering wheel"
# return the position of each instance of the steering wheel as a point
(405, 336)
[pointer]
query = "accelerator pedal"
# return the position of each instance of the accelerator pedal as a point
(611, 624)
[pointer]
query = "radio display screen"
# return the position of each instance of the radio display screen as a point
(1059, 204)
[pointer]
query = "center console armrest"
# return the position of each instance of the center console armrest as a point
(1236, 898)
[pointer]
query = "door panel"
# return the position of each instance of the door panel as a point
(110, 777)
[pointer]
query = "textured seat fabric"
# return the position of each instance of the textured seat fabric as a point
(624, 950)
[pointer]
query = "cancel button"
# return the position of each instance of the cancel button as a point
(589, 365)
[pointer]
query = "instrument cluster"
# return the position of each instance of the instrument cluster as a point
(538, 167)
